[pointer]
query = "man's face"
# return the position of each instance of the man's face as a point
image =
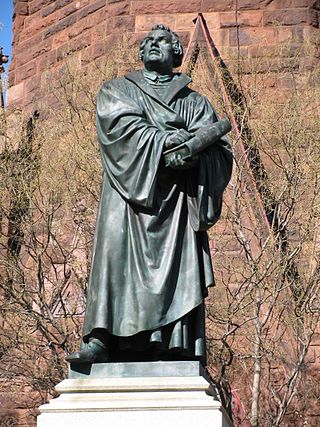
(158, 51)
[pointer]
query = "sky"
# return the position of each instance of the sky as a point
(6, 12)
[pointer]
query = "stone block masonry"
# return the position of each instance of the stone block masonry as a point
(45, 31)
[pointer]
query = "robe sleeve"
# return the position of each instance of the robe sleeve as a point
(208, 181)
(131, 147)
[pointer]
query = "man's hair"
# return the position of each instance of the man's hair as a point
(177, 47)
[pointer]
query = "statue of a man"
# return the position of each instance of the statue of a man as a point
(151, 262)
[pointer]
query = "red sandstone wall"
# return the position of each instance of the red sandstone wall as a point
(45, 29)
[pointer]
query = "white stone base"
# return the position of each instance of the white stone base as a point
(130, 402)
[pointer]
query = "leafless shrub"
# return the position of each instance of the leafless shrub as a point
(262, 315)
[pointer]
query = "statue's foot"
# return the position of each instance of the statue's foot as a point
(94, 352)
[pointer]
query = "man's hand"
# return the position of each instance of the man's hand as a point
(177, 162)
(178, 137)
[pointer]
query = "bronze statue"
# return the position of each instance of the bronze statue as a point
(166, 164)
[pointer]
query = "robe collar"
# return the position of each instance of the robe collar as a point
(177, 83)
(158, 79)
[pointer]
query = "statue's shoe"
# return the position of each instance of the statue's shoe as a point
(94, 352)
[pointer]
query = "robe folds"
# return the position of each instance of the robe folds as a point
(151, 265)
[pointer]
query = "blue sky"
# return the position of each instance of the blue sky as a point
(6, 12)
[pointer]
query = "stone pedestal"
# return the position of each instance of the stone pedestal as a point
(100, 398)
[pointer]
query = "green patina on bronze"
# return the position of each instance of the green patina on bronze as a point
(151, 263)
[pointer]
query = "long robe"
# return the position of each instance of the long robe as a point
(151, 263)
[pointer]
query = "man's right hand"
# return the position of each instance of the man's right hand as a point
(177, 162)
(178, 137)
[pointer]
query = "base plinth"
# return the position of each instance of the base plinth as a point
(155, 401)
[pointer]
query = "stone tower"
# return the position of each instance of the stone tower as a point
(45, 29)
